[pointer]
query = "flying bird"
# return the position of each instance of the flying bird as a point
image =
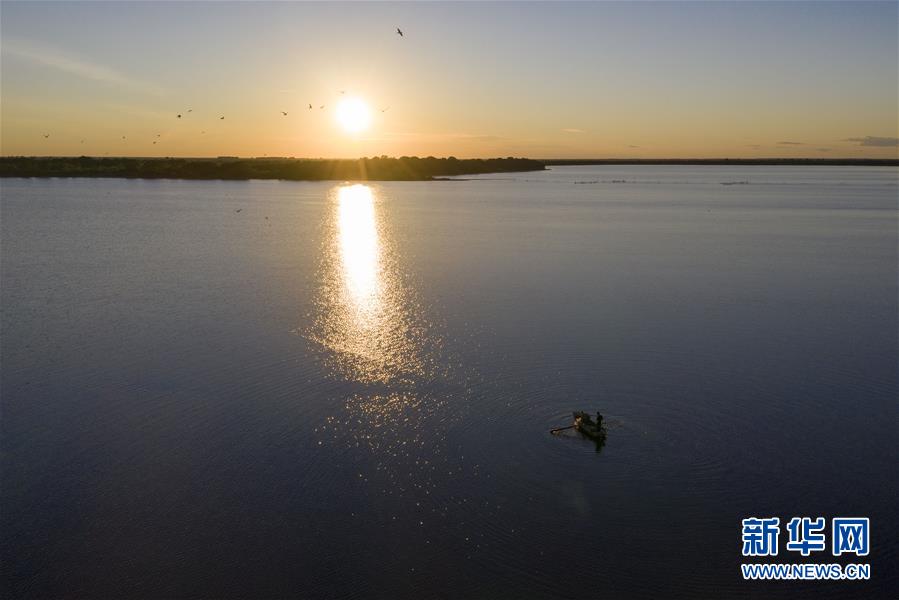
(46, 135)
(221, 118)
(343, 91)
(190, 110)
(179, 116)
(385, 109)
(322, 106)
(283, 113)
(310, 107)
(399, 32)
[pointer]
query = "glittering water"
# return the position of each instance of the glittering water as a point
(367, 318)
(345, 390)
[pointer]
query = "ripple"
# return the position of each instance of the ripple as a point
(367, 318)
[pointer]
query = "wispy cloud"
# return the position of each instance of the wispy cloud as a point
(480, 138)
(870, 140)
(790, 143)
(573, 130)
(475, 137)
(60, 60)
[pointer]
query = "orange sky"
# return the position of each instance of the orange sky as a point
(471, 80)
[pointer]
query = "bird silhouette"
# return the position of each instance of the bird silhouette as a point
(82, 141)
(385, 109)
(179, 116)
(154, 141)
(283, 113)
(221, 118)
(190, 110)
(46, 135)
(310, 107)
(399, 32)
(343, 91)
(322, 106)
(123, 137)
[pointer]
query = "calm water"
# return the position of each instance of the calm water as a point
(345, 391)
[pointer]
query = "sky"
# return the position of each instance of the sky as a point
(542, 80)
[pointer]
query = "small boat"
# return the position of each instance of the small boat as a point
(586, 426)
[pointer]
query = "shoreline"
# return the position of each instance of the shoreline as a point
(796, 162)
(406, 168)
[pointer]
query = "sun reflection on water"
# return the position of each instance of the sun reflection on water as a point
(398, 393)
(366, 317)
(360, 252)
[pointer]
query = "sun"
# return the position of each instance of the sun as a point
(353, 115)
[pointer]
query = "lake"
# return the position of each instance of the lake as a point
(323, 390)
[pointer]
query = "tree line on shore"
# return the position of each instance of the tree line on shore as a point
(383, 168)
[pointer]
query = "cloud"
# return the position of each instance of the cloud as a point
(870, 140)
(573, 130)
(445, 136)
(790, 143)
(61, 61)
(480, 138)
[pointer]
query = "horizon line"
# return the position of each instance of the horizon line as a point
(560, 161)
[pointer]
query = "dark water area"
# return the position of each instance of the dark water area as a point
(270, 389)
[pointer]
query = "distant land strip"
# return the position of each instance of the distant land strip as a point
(381, 168)
(833, 162)
(406, 168)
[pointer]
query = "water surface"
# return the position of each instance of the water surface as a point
(281, 389)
